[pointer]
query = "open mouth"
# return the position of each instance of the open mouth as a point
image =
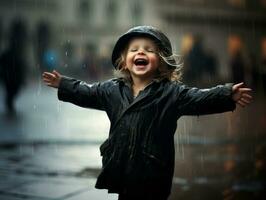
(141, 61)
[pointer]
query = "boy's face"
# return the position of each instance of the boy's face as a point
(142, 59)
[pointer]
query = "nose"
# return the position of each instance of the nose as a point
(141, 51)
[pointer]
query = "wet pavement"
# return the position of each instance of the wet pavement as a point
(50, 149)
(50, 171)
(41, 117)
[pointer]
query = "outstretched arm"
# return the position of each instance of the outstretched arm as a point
(52, 79)
(222, 98)
(241, 95)
(76, 91)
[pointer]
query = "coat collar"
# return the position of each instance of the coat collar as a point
(144, 96)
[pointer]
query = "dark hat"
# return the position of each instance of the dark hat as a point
(148, 31)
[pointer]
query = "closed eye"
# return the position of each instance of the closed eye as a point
(133, 50)
(148, 50)
(151, 50)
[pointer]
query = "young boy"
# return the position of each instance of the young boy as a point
(143, 105)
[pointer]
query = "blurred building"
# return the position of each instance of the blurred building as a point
(216, 22)
(98, 23)
(76, 24)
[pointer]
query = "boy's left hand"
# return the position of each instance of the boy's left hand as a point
(241, 95)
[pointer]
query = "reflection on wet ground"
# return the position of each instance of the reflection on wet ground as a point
(50, 171)
(50, 160)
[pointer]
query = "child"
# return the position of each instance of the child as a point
(143, 105)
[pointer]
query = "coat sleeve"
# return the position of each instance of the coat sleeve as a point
(195, 101)
(82, 94)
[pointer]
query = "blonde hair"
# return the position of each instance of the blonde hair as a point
(170, 67)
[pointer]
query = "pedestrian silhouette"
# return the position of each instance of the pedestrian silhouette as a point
(237, 67)
(13, 64)
(199, 64)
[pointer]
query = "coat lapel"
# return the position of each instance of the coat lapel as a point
(130, 103)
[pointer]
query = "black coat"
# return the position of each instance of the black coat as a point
(139, 152)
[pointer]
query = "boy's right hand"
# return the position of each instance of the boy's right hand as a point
(52, 79)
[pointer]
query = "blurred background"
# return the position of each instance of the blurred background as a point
(49, 149)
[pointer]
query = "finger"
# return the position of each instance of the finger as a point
(49, 78)
(56, 73)
(245, 90)
(52, 77)
(45, 73)
(48, 75)
(46, 80)
(242, 104)
(247, 96)
(246, 101)
(238, 85)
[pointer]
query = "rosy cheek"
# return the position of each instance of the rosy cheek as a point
(154, 60)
